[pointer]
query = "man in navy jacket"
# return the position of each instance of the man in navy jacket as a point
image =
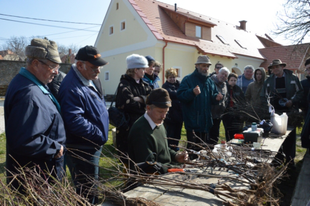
(34, 128)
(86, 119)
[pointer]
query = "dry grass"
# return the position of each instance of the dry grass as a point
(112, 178)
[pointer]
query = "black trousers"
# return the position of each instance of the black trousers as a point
(192, 138)
(174, 131)
(233, 125)
(214, 132)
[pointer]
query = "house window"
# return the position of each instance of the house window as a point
(123, 25)
(107, 76)
(222, 39)
(198, 31)
(239, 43)
(178, 70)
(117, 6)
(111, 30)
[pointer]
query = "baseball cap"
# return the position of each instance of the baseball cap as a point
(90, 54)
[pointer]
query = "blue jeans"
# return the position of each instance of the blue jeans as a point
(84, 163)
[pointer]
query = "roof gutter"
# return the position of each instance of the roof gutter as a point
(163, 72)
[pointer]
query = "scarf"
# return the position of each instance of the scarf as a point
(24, 72)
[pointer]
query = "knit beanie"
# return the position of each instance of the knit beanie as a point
(136, 61)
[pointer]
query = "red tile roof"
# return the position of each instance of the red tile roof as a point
(164, 28)
(294, 56)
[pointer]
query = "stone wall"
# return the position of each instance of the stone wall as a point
(9, 69)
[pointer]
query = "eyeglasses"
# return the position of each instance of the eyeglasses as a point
(218, 67)
(54, 69)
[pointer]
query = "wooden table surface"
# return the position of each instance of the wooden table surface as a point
(178, 196)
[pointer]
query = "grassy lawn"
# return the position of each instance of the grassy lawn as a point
(2, 157)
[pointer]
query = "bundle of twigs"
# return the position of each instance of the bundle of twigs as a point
(245, 167)
(251, 169)
(247, 112)
(39, 188)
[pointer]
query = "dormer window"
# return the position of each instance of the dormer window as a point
(222, 39)
(198, 31)
(239, 43)
(111, 30)
(123, 25)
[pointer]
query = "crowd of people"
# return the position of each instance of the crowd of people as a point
(62, 119)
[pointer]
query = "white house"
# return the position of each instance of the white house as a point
(173, 36)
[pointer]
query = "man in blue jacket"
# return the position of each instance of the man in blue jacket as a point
(34, 128)
(86, 119)
(197, 92)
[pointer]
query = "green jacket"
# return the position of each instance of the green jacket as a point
(143, 142)
(293, 87)
(197, 109)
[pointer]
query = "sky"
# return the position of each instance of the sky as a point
(83, 18)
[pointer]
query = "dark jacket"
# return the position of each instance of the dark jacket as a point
(33, 125)
(151, 80)
(305, 133)
(218, 110)
(84, 112)
(55, 84)
(197, 109)
(294, 90)
(236, 99)
(175, 111)
(127, 89)
(304, 104)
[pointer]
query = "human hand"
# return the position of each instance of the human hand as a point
(181, 157)
(196, 90)
(60, 153)
(219, 97)
(289, 103)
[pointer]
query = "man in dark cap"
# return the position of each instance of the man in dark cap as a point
(34, 128)
(283, 91)
(147, 137)
(86, 119)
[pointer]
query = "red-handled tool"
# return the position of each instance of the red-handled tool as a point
(175, 170)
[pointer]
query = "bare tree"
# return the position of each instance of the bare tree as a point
(64, 50)
(294, 20)
(17, 45)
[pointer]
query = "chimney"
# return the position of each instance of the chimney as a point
(243, 25)
(175, 7)
(70, 51)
